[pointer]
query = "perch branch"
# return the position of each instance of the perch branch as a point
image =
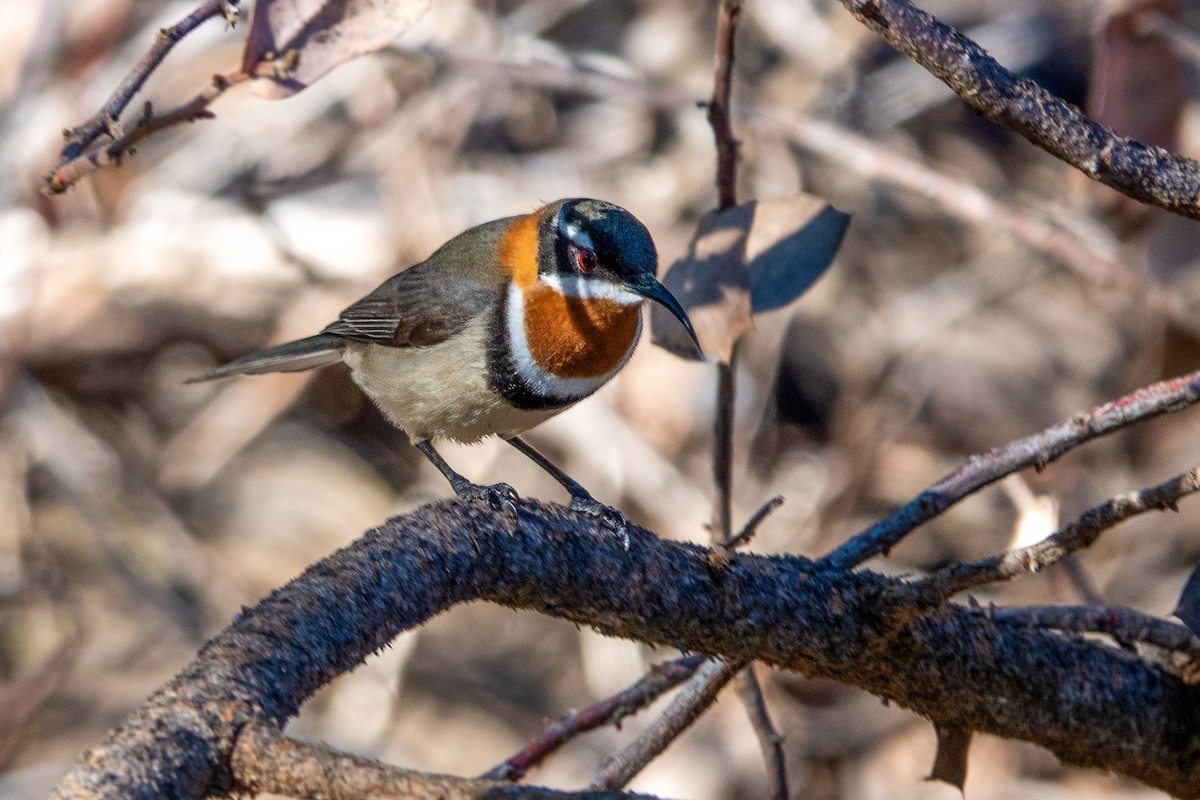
(1098, 706)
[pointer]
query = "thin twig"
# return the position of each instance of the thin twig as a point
(686, 706)
(956, 578)
(751, 527)
(768, 738)
(1149, 174)
(264, 762)
(1123, 624)
(610, 711)
(68, 172)
(1095, 707)
(103, 121)
(1034, 451)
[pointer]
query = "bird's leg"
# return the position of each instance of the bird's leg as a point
(581, 498)
(498, 496)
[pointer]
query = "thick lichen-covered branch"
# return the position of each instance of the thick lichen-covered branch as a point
(1090, 704)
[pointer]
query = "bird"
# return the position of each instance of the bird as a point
(505, 325)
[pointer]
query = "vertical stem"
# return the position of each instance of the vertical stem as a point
(722, 457)
(769, 739)
(728, 13)
(727, 155)
(718, 110)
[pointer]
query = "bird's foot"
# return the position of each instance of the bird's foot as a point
(609, 517)
(497, 497)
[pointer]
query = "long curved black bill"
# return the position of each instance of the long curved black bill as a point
(653, 290)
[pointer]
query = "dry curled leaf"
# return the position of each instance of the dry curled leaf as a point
(310, 37)
(748, 259)
(950, 763)
(1139, 89)
(1188, 607)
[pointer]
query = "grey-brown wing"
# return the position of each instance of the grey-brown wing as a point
(427, 304)
(413, 309)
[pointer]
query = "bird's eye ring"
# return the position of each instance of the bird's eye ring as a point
(587, 260)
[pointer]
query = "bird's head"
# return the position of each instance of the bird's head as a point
(591, 248)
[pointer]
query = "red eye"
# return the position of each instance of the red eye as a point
(587, 260)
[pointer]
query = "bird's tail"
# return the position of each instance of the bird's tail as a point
(315, 351)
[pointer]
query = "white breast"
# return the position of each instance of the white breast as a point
(441, 390)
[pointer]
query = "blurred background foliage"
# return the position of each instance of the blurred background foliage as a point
(137, 514)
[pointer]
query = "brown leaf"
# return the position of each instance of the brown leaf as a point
(1139, 88)
(950, 763)
(712, 284)
(313, 36)
(1188, 607)
(792, 242)
(755, 257)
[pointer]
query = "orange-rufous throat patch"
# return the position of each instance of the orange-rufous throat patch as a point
(577, 337)
(519, 250)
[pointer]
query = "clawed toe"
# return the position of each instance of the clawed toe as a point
(497, 497)
(611, 518)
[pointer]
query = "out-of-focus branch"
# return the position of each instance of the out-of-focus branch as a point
(685, 708)
(955, 197)
(951, 580)
(1098, 707)
(610, 711)
(769, 739)
(1034, 451)
(263, 762)
(103, 121)
(1149, 174)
